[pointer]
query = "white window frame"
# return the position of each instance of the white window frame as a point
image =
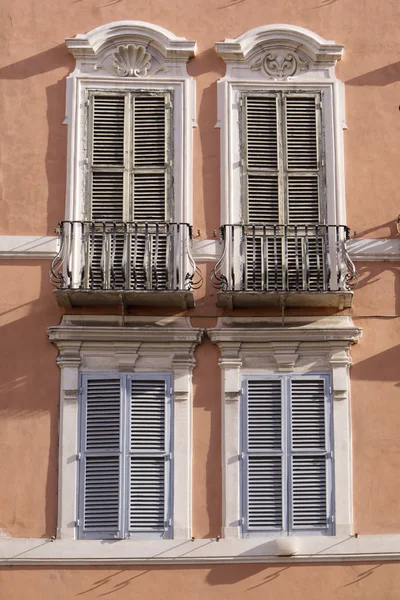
(252, 66)
(262, 345)
(112, 344)
(95, 53)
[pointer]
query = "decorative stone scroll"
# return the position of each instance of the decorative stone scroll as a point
(132, 61)
(280, 65)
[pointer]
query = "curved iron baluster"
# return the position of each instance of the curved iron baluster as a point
(219, 280)
(56, 275)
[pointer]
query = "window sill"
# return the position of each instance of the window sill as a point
(337, 549)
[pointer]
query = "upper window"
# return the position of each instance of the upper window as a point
(128, 222)
(281, 115)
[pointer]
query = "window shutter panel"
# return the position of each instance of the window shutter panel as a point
(101, 457)
(261, 156)
(107, 157)
(310, 458)
(150, 157)
(263, 453)
(303, 162)
(149, 453)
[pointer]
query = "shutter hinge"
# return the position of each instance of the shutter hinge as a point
(241, 456)
(240, 101)
(242, 521)
(77, 523)
(168, 522)
(79, 456)
(329, 454)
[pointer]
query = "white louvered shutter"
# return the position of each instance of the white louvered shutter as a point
(149, 460)
(283, 174)
(263, 456)
(310, 456)
(101, 461)
(287, 455)
(129, 179)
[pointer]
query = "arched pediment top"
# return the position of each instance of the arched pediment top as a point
(281, 49)
(130, 48)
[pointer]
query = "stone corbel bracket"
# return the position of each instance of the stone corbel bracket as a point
(131, 49)
(279, 52)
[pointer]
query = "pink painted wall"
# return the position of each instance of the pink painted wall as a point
(34, 64)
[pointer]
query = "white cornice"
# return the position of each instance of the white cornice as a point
(177, 331)
(112, 35)
(294, 329)
(316, 549)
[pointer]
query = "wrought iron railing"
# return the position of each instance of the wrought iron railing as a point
(102, 255)
(284, 258)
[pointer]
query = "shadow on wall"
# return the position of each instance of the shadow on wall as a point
(29, 400)
(379, 77)
(56, 153)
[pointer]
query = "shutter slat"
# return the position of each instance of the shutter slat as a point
(302, 154)
(147, 471)
(301, 132)
(264, 471)
(108, 130)
(102, 461)
(309, 506)
(308, 414)
(101, 502)
(146, 494)
(309, 472)
(149, 155)
(107, 196)
(264, 492)
(103, 414)
(261, 158)
(148, 416)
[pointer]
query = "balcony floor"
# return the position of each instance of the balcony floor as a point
(246, 299)
(181, 299)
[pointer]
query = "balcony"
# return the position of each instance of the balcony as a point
(125, 263)
(284, 266)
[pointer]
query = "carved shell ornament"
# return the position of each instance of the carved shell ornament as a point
(279, 65)
(132, 61)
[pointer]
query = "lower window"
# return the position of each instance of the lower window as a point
(125, 456)
(287, 470)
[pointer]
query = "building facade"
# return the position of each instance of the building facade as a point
(200, 313)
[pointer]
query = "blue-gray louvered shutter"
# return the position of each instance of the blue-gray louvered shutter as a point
(264, 466)
(100, 498)
(149, 456)
(310, 462)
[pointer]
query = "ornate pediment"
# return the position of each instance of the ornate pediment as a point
(132, 49)
(279, 52)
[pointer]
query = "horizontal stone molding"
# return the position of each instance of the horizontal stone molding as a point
(45, 247)
(315, 549)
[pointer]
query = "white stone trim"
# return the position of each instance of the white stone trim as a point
(28, 246)
(39, 551)
(46, 247)
(137, 344)
(265, 345)
(374, 250)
